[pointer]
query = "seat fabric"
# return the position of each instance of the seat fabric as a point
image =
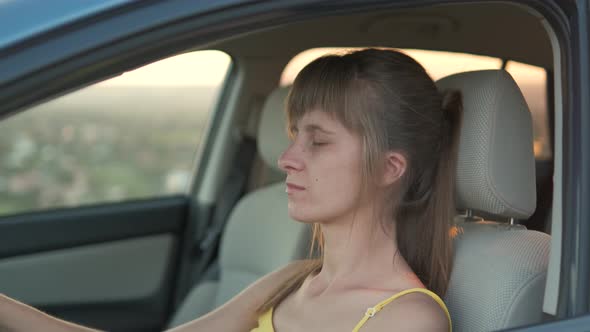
(499, 270)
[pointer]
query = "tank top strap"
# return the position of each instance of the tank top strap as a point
(375, 309)
(265, 322)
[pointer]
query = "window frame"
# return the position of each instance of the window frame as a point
(575, 267)
(192, 161)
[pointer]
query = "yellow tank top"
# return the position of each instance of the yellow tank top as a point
(265, 320)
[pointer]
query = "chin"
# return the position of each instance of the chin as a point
(301, 214)
(301, 218)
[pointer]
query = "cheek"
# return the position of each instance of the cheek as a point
(333, 179)
(323, 206)
(334, 188)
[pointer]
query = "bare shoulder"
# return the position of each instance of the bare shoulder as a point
(242, 307)
(255, 294)
(281, 275)
(412, 312)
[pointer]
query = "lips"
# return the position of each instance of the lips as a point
(292, 188)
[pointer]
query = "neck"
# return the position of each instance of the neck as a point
(357, 251)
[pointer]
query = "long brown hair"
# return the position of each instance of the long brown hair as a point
(388, 99)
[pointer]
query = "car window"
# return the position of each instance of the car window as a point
(130, 137)
(532, 81)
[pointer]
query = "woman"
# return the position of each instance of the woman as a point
(371, 166)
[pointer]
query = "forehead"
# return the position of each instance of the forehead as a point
(319, 118)
(320, 122)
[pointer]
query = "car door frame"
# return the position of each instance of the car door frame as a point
(569, 19)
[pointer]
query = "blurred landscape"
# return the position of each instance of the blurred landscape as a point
(102, 144)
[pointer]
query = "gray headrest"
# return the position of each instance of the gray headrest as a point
(496, 165)
(272, 136)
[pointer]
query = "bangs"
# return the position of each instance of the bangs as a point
(328, 84)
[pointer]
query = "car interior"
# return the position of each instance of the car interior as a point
(506, 248)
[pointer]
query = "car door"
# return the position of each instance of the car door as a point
(95, 192)
(96, 186)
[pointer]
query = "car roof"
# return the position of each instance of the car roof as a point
(464, 27)
(22, 19)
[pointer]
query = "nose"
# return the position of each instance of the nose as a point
(290, 161)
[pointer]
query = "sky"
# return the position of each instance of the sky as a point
(206, 68)
(209, 67)
(438, 64)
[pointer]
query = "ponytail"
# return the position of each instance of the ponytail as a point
(424, 216)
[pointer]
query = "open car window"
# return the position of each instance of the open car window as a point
(130, 137)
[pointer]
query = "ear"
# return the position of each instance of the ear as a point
(395, 167)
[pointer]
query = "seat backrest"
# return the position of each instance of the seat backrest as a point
(499, 270)
(259, 236)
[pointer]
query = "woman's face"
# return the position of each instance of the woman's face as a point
(323, 166)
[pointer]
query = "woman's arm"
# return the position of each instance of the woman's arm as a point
(239, 313)
(16, 317)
